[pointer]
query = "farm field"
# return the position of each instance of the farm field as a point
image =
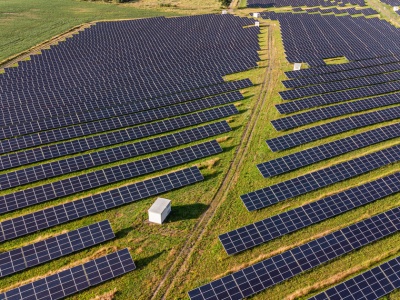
(185, 252)
(27, 23)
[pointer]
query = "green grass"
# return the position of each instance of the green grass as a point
(232, 213)
(25, 24)
(336, 60)
(154, 248)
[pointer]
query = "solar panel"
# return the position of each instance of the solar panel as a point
(278, 268)
(339, 96)
(274, 227)
(319, 179)
(72, 185)
(46, 250)
(392, 3)
(332, 128)
(296, 3)
(75, 279)
(64, 81)
(79, 92)
(334, 111)
(351, 11)
(94, 159)
(370, 285)
(52, 216)
(65, 133)
(325, 151)
(377, 61)
(342, 75)
(335, 86)
(305, 39)
(50, 117)
(129, 134)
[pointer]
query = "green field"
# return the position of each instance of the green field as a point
(185, 252)
(25, 24)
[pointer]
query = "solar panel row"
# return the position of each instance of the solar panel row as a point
(276, 269)
(334, 111)
(342, 75)
(349, 37)
(75, 279)
(111, 93)
(351, 11)
(84, 182)
(377, 61)
(319, 179)
(94, 159)
(52, 216)
(65, 133)
(370, 285)
(290, 221)
(332, 128)
(125, 135)
(296, 3)
(339, 96)
(336, 86)
(146, 83)
(46, 118)
(325, 151)
(392, 2)
(46, 250)
(142, 68)
(360, 64)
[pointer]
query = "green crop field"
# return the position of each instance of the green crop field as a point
(25, 24)
(185, 252)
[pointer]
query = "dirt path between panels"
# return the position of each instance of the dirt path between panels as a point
(180, 266)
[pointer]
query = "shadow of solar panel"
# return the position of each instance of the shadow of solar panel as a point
(370, 285)
(332, 128)
(95, 159)
(334, 111)
(319, 179)
(312, 155)
(106, 176)
(76, 279)
(274, 227)
(276, 269)
(63, 213)
(65, 133)
(111, 138)
(46, 250)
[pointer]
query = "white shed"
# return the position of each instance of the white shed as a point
(224, 12)
(257, 24)
(256, 15)
(297, 67)
(395, 8)
(159, 210)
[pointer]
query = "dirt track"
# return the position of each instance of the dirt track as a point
(181, 265)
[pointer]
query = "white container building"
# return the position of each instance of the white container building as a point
(159, 210)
